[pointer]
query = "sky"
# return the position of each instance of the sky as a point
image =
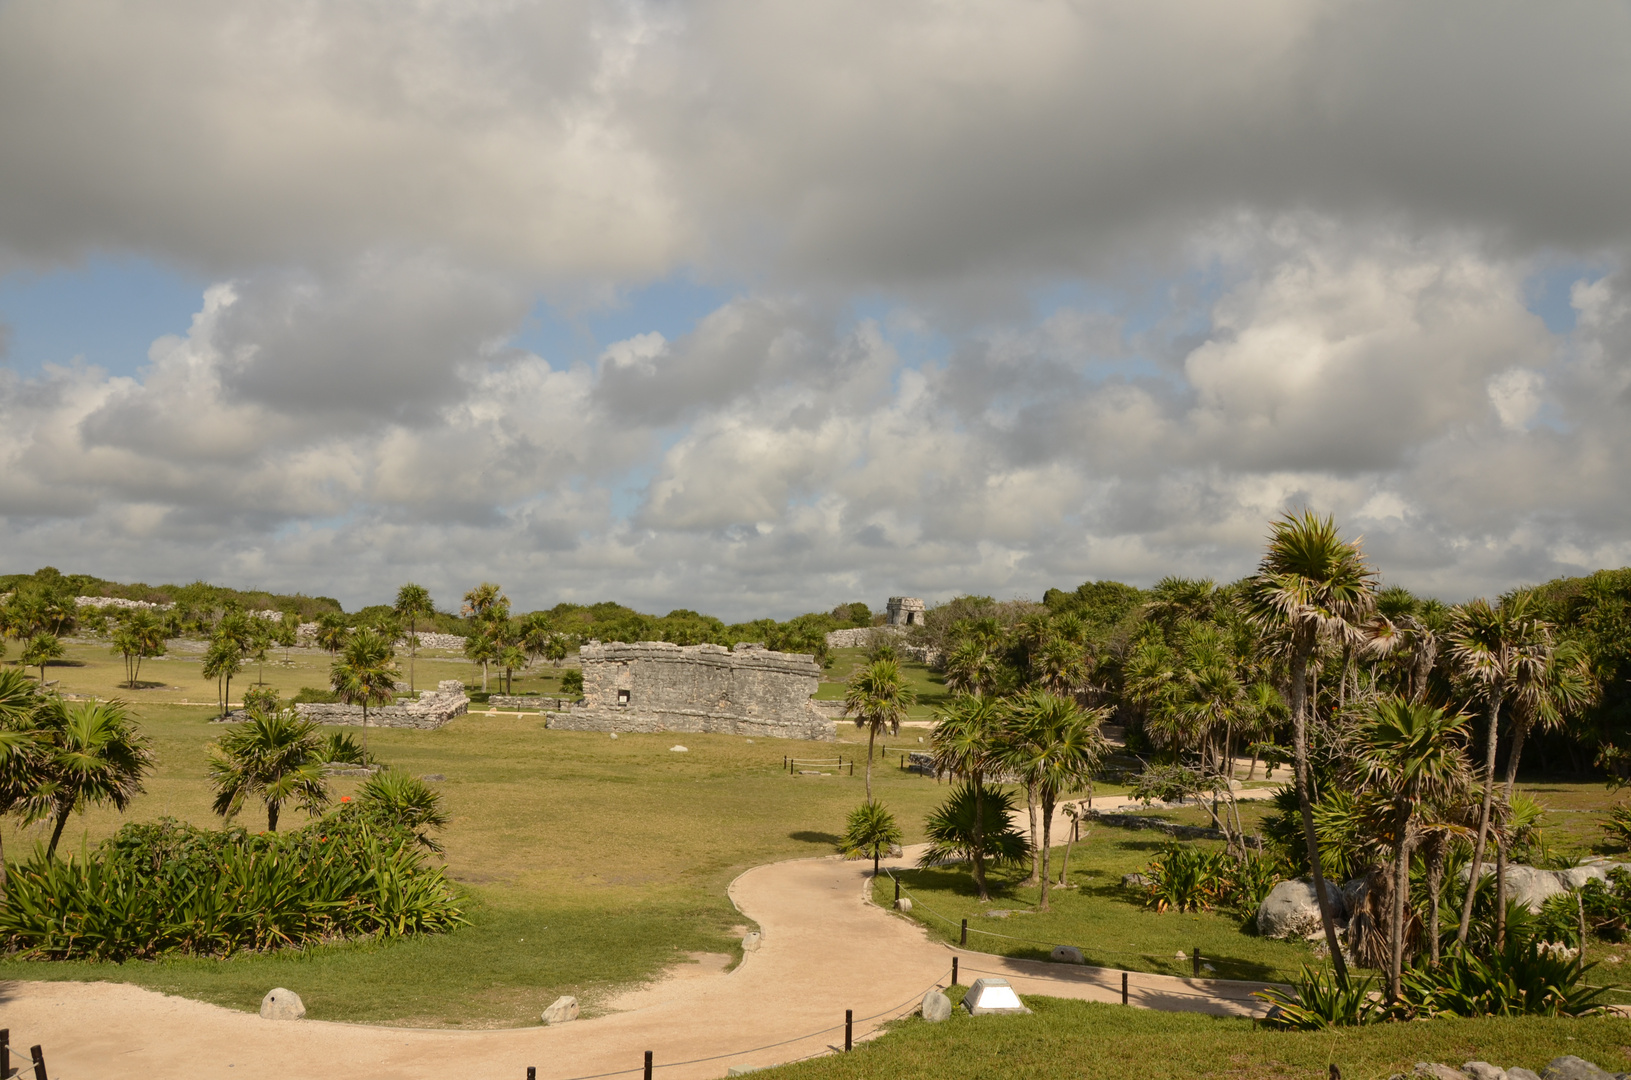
(755, 307)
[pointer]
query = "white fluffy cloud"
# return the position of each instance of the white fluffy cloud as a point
(1017, 295)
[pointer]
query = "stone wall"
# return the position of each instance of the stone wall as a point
(862, 637)
(433, 709)
(528, 702)
(655, 686)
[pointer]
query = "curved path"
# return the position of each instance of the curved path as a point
(826, 948)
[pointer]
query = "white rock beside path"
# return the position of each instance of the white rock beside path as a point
(281, 1004)
(563, 1008)
(936, 1007)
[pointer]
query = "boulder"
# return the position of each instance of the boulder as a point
(751, 942)
(1569, 1067)
(1483, 1070)
(563, 1008)
(1518, 1072)
(1134, 881)
(678, 750)
(1432, 1070)
(895, 851)
(1066, 954)
(936, 1007)
(281, 1004)
(1291, 911)
(903, 904)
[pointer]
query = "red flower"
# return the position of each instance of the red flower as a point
(345, 798)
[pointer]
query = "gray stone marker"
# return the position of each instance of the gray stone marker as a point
(936, 1007)
(281, 1004)
(752, 942)
(1066, 954)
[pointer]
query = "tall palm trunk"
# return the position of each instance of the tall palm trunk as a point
(56, 833)
(1483, 821)
(1299, 721)
(2, 865)
(1435, 884)
(1519, 730)
(871, 737)
(1401, 889)
(1030, 808)
(1047, 845)
(271, 816)
(413, 651)
(979, 836)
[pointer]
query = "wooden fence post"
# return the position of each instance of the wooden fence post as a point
(954, 971)
(1124, 988)
(849, 1029)
(963, 941)
(1197, 961)
(39, 1062)
(648, 1065)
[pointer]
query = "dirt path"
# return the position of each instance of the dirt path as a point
(825, 949)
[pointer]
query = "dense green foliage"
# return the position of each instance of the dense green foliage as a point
(170, 887)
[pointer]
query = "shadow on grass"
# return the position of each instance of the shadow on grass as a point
(806, 836)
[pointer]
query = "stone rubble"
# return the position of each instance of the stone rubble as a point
(1565, 1067)
(433, 710)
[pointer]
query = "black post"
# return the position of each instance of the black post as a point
(1197, 963)
(963, 941)
(648, 1065)
(852, 766)
(5, 1052)
(1124, 988)
(532, 1072)
(39, 1062)
(954, 971)
(897, 888)
(849, 1029)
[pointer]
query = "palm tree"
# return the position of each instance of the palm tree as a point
(21, 752)
(511, 657)
(483, 649)
(970, 668)
(276, 756)
(975, 823)
(1054, 748)
(964, 739)
(1311, 585)
(94, 754)
(1490, 647)
(877, 695)
(332, 632)
(365, 675)
(40, 650)
(871, 830)
(1409, 752)
(486, 602)
(223, 660)
(405, 801)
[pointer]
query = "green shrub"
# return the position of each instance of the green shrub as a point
(342, 749)
(1319, 1001)
(1525, 977)
(572, 682)
(311, 695)
(263, 698)
(1185, 878)
(1617, 829)
(172, 888)
(1244, 883)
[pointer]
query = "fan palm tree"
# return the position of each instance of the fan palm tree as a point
(970, 669)
(40, 650)
(332, 632)
(511, 658)
(871, 830)
(365, 675)
(1054, 746)
(21, 752)
(223, 660)
(405, 801)
(276, 756)
(964, 738)
(1311, 585)
(93, 755)
(1408, 753)
(1491, 646)
(482, 648)
(877, 696)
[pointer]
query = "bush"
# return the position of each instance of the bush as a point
(572, 682)
(1245, 883)
(1185, 878)
(1319, 1001)
(1525, 977)
(342, 749)
(1617, 829)
(261, 698)
(311, 695)
(172, 888)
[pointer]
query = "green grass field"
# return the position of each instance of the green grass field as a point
(1100, 917)
(1075, 1039)
(927, 684)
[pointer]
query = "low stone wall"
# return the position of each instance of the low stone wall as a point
(433, 710)
(862, 637)
(528, 702)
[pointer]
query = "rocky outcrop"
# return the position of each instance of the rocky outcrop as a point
(655, 686)
(1532, 886)
(1291, 910)
(1566, 1067)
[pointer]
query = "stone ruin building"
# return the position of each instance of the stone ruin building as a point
(905, 611)
(431, 710)
(655, 686)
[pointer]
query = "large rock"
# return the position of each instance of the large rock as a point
(1483, 1070)
(1569, 1067)
(563, 1008)
(1518, 1072)
(1291, 911)
(751, 942)
(1066, 954)
(1532, 886)
(1432, 1070)
(281, 1004)
(936, 1007)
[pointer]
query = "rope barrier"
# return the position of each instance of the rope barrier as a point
(768, 1046)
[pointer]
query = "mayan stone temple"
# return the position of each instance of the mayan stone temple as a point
(655, 686)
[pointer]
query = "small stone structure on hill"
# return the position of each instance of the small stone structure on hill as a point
(656, 686)
(905, 611)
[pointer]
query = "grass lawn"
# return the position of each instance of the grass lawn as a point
(587, 863)
(1091, 1041)
(929, 685)
(1107, 922)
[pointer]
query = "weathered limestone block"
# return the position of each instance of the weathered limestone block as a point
(936, 1007)
(1291, 910)
(281, 1004)
(563, 1008)
(1066, 954)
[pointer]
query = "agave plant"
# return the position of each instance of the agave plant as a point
(1185, 878)
(1321, 1000)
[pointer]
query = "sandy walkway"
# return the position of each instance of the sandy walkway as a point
(826, 948)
